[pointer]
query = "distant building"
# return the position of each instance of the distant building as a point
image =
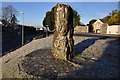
(113, 29)
(39, 29)
(81, 29)
(0, 22)
(100, 26)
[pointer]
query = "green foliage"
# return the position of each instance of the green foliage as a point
(111, 19)
(106, 18)
(90, 25)
(49, 19)
(115, 18)
(76, 18)
(113, 12)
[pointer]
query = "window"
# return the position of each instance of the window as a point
(98, 25)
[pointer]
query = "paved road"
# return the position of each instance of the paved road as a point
(96, 35)
(15, 42)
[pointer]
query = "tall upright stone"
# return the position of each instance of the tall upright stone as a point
(63, 43)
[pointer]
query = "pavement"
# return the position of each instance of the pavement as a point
(10, 62)
(84, 45)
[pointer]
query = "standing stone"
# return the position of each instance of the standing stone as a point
(63, 43)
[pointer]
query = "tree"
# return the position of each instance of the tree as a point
(76, 18)
(106, 18)
(90, 25)
(4, 22)
(9, 14)
(13, 20)
(113, 12)
(115, 18)
(49, 19)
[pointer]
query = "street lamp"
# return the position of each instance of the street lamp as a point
(22, 27)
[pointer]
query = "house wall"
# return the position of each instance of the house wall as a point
(96, 26)
(81, 29)
(114, 29)
(100, 27)
(103, 28)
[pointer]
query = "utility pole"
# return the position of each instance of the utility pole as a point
(22, 27)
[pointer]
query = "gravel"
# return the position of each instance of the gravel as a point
(34, 60)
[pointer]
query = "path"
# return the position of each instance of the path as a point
(11, 69)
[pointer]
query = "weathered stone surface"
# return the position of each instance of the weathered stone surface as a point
(63, 43)
(103, 29)
(81, 29)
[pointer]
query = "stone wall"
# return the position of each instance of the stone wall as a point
(81, 29)
(103, 28)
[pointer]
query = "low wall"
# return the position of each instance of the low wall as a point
(103, 29)
(81, 29)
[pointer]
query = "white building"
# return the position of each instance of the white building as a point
(0, 23)
(113, 29)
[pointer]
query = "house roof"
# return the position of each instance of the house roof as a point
(101, 20)
(82, 24)
(104, 21)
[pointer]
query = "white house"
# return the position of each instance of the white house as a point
(113, 29)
